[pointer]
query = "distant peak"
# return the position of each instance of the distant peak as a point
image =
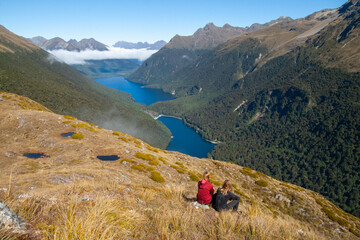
(227, 25)
(209, 26)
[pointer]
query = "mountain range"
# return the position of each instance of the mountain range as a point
(97, 68)
(283, 99)
(58, 43)
(183, 50)
(140, 45)
(71, 45)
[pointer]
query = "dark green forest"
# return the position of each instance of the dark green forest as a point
(300, 122)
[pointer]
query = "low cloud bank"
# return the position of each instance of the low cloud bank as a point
(113, 53)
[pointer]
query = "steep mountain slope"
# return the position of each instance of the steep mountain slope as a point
(71, 45)
(183, 50)
(221, 68)
(30, 71)
(289, 105)
(146, 194)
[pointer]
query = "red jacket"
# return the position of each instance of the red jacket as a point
(205, 190)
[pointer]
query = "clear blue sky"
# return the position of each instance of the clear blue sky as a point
(109, 21)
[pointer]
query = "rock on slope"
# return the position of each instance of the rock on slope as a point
(145, 194)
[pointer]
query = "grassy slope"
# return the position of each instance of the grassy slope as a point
(146, 193)
(34, 74)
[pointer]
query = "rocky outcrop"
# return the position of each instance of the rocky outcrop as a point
(10, 221)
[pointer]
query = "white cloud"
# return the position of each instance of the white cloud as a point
(113, 53)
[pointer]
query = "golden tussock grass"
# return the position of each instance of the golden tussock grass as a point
(73, 195)
(134, 212)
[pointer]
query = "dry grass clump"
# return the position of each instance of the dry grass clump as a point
(149, 157)
(139, 167)
(156, 176)
(84, 125)
(249, 172)
(178, 169)
(145, 156)
(194, 176)
(163, 160)
(77, 136)
(152, 148)
(124, 139)
(154, 162)
(116, 133)
(69, 117)
(262, 183)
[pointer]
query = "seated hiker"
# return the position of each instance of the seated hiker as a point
(205, 190)
(224, 195)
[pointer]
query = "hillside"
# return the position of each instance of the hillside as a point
(288, 103)
(182, 51)
(30, 71)
(146, 194)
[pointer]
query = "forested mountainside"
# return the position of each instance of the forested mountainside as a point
(30, 71)
(181, 51)
(146, 193)
(289, 103)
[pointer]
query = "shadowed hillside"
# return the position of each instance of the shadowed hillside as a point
(30, 71)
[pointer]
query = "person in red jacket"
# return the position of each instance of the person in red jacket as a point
(205, 190)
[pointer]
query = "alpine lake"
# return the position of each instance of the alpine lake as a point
(184, 139)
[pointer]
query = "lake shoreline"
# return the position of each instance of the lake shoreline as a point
(210, 141)
(162, 115)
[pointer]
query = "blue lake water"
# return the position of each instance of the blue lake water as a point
(137, 91)
(108, 158)
(35, 155)
(68, 134)
(185, 140)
